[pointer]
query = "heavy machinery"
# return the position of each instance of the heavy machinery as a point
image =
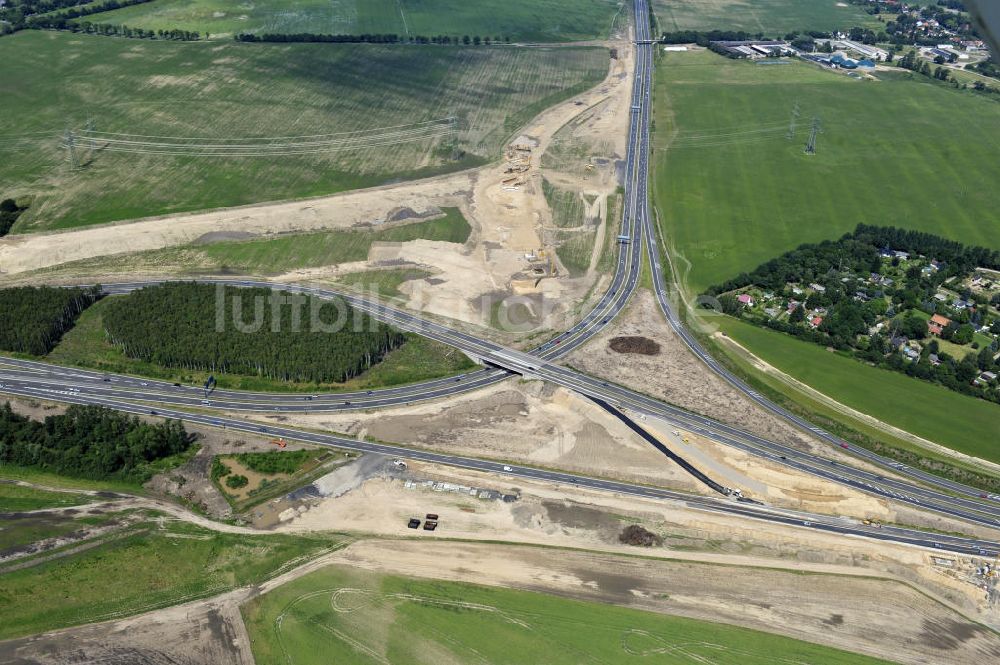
(278, 442)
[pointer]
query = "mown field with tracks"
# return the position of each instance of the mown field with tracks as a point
(520, 20)
(734, 191)
(162, 127)
(768, 16)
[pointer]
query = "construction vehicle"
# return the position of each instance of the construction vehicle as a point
(278, 442)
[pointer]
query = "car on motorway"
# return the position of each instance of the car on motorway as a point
(507, 468)
(844, 445)
(205, 401)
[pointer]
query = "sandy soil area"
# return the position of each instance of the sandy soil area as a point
(829, 605)
(534, 423)
(881, 599)
(19, 253)
(676, 376)
(563, 516)
(507, 224)
(527, 422)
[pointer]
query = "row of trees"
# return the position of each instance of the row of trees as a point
(386, 38)
(704, 38)
(853, 303)
(858, 252)
(9, 212)
(113, 30)
(913, 63)
(89, 442)
(256, 332)
(33, 319)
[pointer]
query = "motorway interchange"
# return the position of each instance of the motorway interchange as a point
(922, 490)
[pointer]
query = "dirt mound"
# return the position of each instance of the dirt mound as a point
(634, 534)
(643, 345)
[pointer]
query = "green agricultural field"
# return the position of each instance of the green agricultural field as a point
(349, 616)
(521, 20)
(960, 422)
(154, 565)
(362, 115)
(771, 17)
(417, 360)
(733, 191)
(14, 498)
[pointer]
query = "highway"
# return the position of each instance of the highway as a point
(40, 380)
(846, 527)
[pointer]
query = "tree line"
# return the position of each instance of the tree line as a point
(858, 252)
(919, 65)
(33, 319)
(114, 30)
(376, 38)
(178, 325)
(854, 303)
(9, 212)
(89, 442)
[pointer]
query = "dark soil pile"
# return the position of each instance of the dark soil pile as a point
(634, 534)
(643, 345)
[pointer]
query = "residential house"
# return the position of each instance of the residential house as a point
(819, 288)
(816, 321)
(745, 299)
(937, 324)
(940, 320)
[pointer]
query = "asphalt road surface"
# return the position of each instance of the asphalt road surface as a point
(41, 380)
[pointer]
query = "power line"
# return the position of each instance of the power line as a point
(69, 141)
(792, 123)
(811, 144)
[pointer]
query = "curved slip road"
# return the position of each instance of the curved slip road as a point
(81, 386)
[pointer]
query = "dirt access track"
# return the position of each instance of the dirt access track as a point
(879, 598)
(878, 616)
(507, 222)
